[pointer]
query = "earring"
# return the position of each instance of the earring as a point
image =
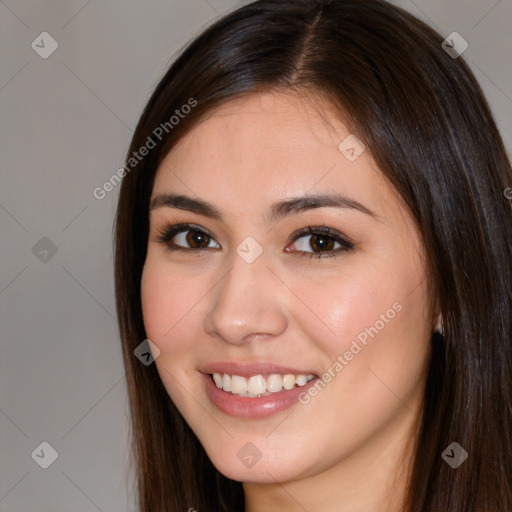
(439, 325)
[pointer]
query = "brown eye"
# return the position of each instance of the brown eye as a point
(197, 239)
(322, 243)
(186, 237)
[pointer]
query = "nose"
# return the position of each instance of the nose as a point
(248, 304)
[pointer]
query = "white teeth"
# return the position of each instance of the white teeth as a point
(226, 382)
(301, 380)
(238, 384)
(257, 385)
(275, 383)
(217, 377)
(288, 381)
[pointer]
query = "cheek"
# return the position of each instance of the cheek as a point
(168, 299)
(375, 360)
(167, 302)
(368, 321)
(337, 309)
(157, 301)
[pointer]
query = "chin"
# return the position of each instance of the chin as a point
(248, 464)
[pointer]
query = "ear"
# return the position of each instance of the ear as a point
(439, 324)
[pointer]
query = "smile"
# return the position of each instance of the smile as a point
(259, 385)
(254, 390)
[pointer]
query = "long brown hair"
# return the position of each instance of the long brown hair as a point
(426, 123)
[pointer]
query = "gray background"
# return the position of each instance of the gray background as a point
(65, 126)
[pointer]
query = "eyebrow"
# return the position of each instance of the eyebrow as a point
(277, 211)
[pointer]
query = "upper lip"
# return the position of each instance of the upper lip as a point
(249, 369)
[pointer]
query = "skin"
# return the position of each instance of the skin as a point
(348, 449)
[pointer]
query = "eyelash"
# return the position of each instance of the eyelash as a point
(166, 234)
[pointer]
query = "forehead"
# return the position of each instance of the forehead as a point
(267, 126)
(269, 146)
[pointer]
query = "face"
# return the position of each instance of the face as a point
(310, 314)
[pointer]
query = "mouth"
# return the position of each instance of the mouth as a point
(254, 390)
(257, 386)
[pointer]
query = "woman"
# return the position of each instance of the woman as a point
(313, 234)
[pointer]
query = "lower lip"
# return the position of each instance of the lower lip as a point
(253, 407)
